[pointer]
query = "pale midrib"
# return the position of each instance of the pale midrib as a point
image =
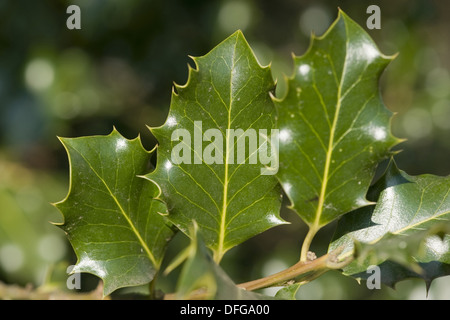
(406, 228)
(122, 211)
(221, 249)
(415, 225)
(315, 226)
(321, 201)
(399, 232)
(434, 216)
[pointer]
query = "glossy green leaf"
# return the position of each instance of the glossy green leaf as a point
(202, 278)
(110, 215)
(288, 292)
(27, 245)
(199, 170)
(409, 227)
(334, 127)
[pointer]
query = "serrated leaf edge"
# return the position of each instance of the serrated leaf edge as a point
(147, 250)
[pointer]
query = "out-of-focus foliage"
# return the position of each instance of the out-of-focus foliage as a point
(118, 70)
(29, 245)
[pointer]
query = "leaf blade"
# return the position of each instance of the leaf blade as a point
(230, 200)
(110, 216)
(334, 128)
(402, 228)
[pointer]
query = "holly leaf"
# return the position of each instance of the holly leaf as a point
(334, 127)
(110, 215)
(202, 278)
(211, 166)
(288, 292)
(407, 232)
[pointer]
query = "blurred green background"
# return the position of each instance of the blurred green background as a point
(119, 69)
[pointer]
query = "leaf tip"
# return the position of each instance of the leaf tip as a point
(148, 177)
(275, 98)
(400, 140)
(56, 224)
(153, 130)
(238, 34)
(391, 57)
(63, 140)
(195, 60)
(164, 214)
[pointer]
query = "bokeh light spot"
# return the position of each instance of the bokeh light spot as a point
(234, 15)
(11, 257)
(314, 19)
(417, 123)
(51, 248)
(441, 114)
(39, 74)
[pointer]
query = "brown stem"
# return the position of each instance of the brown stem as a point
(319, 265)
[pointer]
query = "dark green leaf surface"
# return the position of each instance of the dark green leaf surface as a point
(230, 200)
(409, 226)
(110, 215)
(334, 127)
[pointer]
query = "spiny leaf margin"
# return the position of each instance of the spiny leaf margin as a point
(228, 89)
(334, 127)
(110, 215)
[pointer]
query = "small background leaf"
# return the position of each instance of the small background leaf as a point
(30, 247)
(288, 292)
(202, 278)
